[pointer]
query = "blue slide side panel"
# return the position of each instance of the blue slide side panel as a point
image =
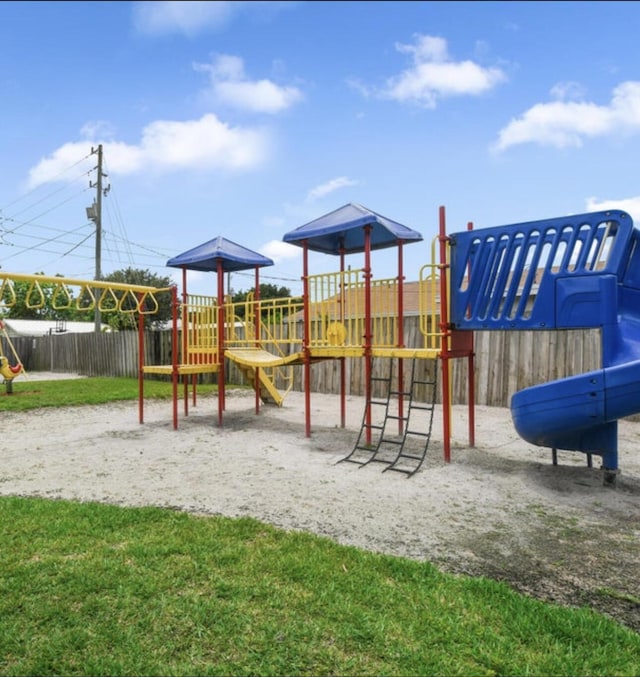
(506, 277)
(579, 413)
(586, 301)
(622, 384)
(545, 413)
(568, 414)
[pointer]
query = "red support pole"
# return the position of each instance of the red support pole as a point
(367, 328)
(471, 379)
(174, 355)
(306, 339)
(140, 368)
(221, 332)
(343, 368)
(256, 297)
(400, 338)
(472, 398)
(445, 329)
(185, 341)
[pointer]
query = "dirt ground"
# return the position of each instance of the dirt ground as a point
(500, 510)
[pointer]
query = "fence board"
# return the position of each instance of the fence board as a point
(505, 362)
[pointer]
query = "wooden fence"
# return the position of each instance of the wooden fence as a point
(505, 362)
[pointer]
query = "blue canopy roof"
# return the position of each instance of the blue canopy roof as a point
(206, 256)
(343, 229)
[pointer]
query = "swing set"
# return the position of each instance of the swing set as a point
(7, 370)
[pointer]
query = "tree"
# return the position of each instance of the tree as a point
(36, 300)
(26, 300)
(136, 276)
(267, 291)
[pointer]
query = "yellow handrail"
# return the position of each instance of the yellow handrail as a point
(112, 297)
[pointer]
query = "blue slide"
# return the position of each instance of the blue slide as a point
(580, 413)
(581, 271)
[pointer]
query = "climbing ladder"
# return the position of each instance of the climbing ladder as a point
(405, 449)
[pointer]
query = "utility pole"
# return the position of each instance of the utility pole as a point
(94, 213)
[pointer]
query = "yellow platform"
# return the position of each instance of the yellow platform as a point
(181, 369)
(257, 357)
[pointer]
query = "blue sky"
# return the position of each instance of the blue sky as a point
(248, 119)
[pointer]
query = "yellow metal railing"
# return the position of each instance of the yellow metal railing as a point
(429, 301)
(199, 319)
(384, 313)
(280, 323)
(429, 307)
(280, 332)
(336, 309)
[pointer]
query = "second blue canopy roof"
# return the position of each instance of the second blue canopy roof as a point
(342, 230)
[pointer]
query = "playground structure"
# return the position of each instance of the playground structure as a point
(342, 314)
(563, 273)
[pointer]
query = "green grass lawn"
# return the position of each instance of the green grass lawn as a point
(90, 589)
(97, 390)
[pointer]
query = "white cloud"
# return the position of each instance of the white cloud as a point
(196, 278)
(567, 90)
(166, 146)
(98, 129)
(187, 17)
(568, 123)
(433, 75)
(229, 85)
(191, 17)
(329, 187)
(631, 205)
(280, 251)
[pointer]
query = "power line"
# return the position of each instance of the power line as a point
(28, 235)
(31, 222)
(57, 177)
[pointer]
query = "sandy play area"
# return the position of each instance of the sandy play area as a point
(500, 509)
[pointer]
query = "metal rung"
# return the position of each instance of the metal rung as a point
(417, 458)
(422, 408)
(403, 470)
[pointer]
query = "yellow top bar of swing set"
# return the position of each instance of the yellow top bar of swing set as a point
(107, 301)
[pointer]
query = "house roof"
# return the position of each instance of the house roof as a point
(342, 231)
(205, 257)
(45, 327)
(383, 301)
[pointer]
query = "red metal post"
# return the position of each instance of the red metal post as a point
(140, 368)
(256, 306)
(471, 379)
(445, 329)
(367, 328)
(174, 355)
(400, 339)
(343, 366)
(185, 341)
(221, 331)
(306, 339)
